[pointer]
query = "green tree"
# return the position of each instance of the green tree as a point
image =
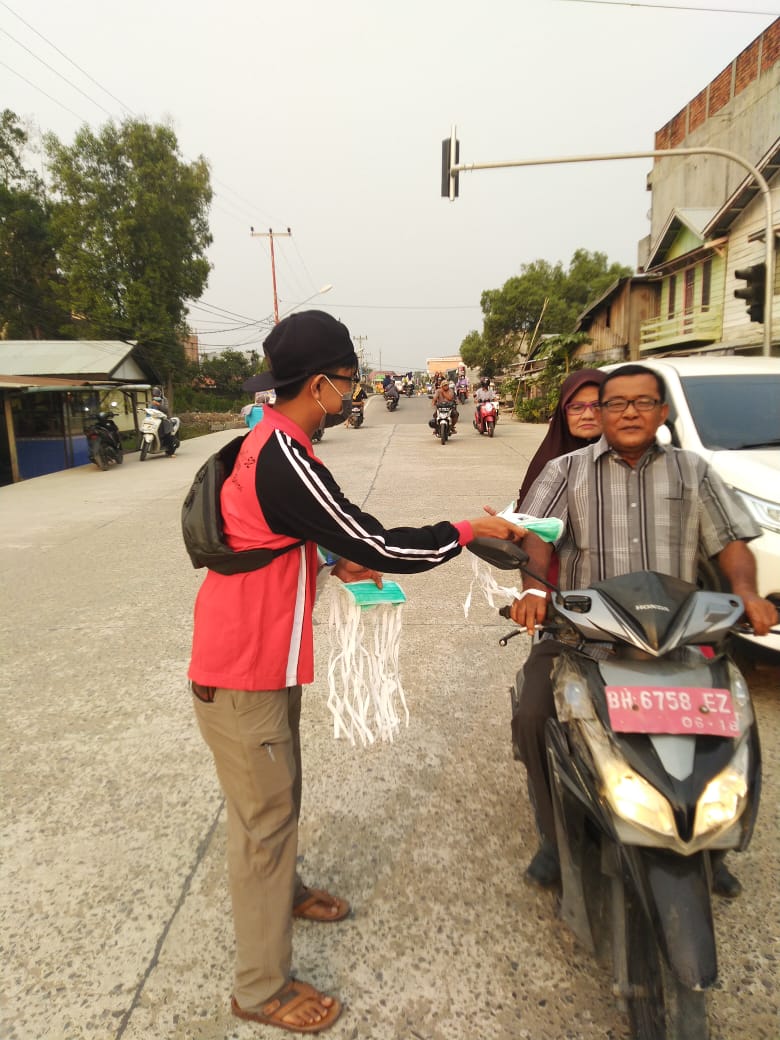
(511, 313)
(472, 350)
(229, 369)
(131, 226)
(28, 263)
(558, 352)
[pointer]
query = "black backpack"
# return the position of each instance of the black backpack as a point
(201, 519)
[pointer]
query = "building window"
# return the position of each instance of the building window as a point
(706, 281)
(672, 293)
(688, 283)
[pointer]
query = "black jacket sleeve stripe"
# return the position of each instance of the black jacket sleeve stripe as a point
(351, 524)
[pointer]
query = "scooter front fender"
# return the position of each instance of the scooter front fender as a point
(676, 893)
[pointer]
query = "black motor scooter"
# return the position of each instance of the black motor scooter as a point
(655, 767)
(103, 438)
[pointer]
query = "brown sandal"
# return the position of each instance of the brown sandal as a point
(318, 905)
(289, 999)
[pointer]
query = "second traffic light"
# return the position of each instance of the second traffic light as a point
(753, 294)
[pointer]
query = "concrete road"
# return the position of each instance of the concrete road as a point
(113, 902)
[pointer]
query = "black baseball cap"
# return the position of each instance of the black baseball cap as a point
(301, 345)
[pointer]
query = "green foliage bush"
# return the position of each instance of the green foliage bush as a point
(534, 409)
(190, 400)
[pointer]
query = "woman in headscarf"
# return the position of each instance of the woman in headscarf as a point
(575, 422)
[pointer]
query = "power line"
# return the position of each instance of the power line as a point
(251, 210)
(45, 94)
(65, 56)
(671, 7)
(52, 69)
(400, 307)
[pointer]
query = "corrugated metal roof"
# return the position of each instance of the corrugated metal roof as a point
(8, 382)
(88, 359)
(733, 207)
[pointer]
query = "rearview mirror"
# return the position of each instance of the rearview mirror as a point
(507, 556)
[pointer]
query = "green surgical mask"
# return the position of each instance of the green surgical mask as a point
(366, 594)
(548, 528)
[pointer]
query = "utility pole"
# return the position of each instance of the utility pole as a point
(270, 234)
(361, 357)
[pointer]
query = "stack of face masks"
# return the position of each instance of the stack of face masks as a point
(548, 528)
(365, 695)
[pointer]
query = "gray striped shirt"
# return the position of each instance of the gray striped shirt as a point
(617, 519)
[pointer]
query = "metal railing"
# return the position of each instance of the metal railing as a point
(697, 325)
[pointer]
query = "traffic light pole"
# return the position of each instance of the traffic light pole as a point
(660, 154)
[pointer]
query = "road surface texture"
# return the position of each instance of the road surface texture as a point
(114, 905)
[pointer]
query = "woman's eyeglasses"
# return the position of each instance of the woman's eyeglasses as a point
(578, 407)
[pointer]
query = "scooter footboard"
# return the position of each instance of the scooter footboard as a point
(676, 893)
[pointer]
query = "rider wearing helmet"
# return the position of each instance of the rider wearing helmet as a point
(160, 401)
(484, 393)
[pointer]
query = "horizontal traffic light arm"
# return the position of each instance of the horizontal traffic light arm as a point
(661, 153)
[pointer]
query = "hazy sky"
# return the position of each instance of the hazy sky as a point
(327, 118)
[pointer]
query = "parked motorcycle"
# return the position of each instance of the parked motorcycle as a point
(158, 432)
(355, 417)
(655, 766)
(103, 439)
(442, 420)
(486, 417)
(391, 400)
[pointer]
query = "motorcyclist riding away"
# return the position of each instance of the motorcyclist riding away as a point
(389, 387)
(359, 397)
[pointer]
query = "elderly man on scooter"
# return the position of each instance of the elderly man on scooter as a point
(627, 504)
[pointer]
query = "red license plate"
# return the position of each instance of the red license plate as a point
(679, 709)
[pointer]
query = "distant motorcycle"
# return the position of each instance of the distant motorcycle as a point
(103, 439)
(409, 389)
(158, 433)
(391, 400)
(486, 417)
(355, 417)
(462, 390)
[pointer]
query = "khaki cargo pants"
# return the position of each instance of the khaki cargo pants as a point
(255, 740)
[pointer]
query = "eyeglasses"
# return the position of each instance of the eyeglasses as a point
(619, 404)
(345, 379)
(578, 407)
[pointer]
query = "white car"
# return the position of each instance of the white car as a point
(727, 409)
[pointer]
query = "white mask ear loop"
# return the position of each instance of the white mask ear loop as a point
(319, 402)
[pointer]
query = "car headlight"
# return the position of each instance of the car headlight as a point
(632, 798)
(766, 514)
(724, 797)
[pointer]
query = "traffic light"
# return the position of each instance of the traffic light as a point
(754, 278)
(449, 184)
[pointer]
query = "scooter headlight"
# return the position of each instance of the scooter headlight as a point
(725, 796)
(632, 798)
